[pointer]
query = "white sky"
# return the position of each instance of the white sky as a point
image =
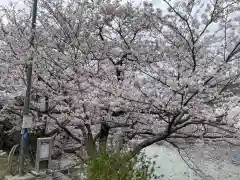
(5, 2)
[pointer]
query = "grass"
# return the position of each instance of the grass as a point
(3, 166)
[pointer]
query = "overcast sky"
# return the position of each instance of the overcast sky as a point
(4, 2)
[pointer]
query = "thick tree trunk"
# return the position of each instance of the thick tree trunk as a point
(90, 146)
(146, 143)
(89, 142)
(104, 132)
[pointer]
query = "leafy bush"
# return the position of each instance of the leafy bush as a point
(114, 166)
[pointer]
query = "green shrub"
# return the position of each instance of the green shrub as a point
(113, 166)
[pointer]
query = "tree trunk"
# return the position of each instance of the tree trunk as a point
(90, 146)
(1, 136)
(104, 132)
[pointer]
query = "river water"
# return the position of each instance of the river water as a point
(173, 167)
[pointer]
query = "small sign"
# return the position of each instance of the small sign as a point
(44, 150)
(43, 153)
(27, 121)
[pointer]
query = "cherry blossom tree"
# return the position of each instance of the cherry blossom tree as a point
(110, 70)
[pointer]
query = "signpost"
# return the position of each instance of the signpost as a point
(43, 153)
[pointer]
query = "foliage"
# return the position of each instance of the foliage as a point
(113, 166)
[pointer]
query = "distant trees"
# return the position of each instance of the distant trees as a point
(104, 69)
